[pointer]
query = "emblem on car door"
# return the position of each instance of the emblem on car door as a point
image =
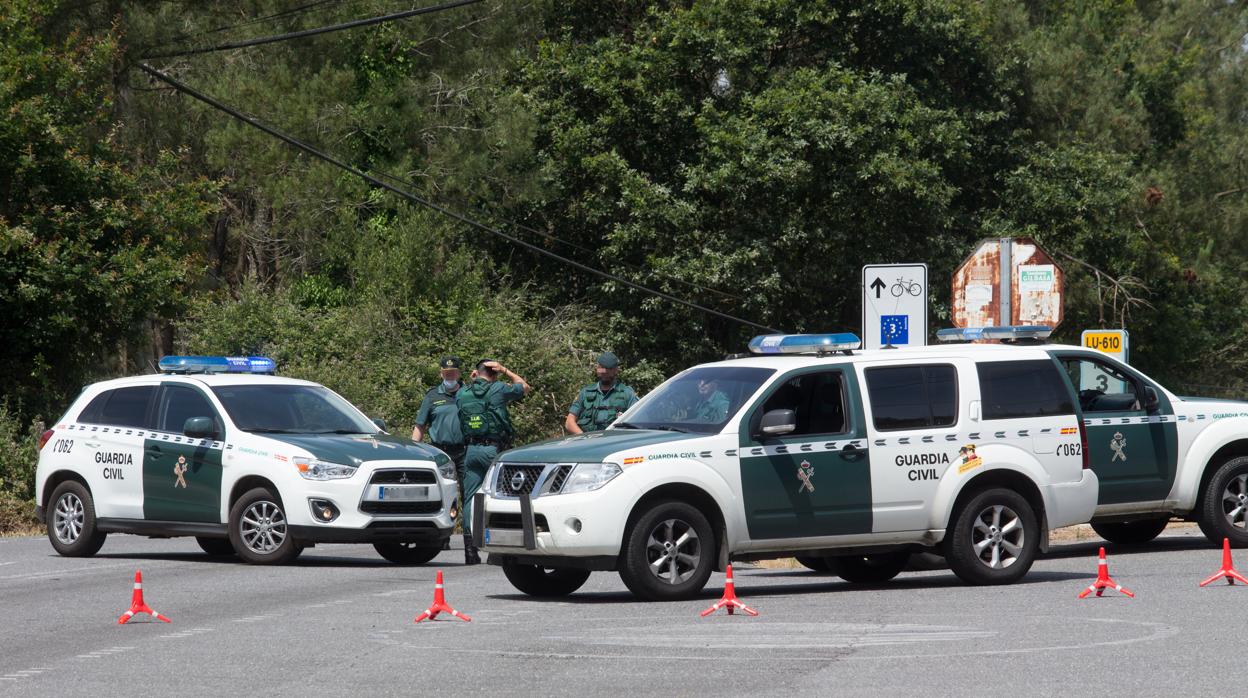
(180, 469)
(1117, 445)
(804, 472)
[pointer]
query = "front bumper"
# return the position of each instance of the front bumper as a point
(419, 532)
(580, 525)
(362, 519)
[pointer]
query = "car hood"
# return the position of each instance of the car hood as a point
(593, 447)
(353, 449)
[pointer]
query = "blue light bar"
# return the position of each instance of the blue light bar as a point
(218, 364)
(803, 343)
(1005, 332)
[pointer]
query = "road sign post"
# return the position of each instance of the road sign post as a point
(894, 305)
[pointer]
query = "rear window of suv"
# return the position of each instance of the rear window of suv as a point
(1018, 389)
(121, 407)
(913, 397)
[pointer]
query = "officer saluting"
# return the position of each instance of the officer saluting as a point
(486, 424)
(439, 417)
(598, 404)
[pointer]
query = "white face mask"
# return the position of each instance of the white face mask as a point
(450, 385)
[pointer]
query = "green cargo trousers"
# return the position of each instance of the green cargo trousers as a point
(476, 462)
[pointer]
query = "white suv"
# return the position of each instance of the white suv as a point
(850, 459)
(249, 464)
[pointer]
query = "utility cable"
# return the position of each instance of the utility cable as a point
(367, 22)
(325, 157)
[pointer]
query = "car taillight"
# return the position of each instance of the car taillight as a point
(44, 438)
(1083, 441)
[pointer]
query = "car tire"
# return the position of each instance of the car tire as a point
(869, 569)
(407, 553)
(545, 582)
(1224, 507)
(217, 547)
(668, 552)
(812, 563)
(1135, 532)
(259, 530)
(71, 521)
(993, 538)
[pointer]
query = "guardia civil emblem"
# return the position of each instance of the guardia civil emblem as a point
(805, 472)
(179, 469)
(1117, 445)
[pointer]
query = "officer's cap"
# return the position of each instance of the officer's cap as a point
(450, 362)
(608, 360)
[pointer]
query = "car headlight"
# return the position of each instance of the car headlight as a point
(312, 469)
(587, 477)
(446, 466)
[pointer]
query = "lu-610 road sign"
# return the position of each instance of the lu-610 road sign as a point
(894, 305)
(1112, 342)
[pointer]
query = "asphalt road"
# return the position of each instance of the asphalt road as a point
(340, 622)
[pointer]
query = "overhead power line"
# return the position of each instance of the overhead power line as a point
(325, 157)
(367, 22)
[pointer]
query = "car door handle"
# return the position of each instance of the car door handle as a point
(154, 452)
(852, 452)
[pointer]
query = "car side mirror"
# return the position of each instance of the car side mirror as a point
(200, 428)
(778, 422)
(381, 423)
(1151, 401)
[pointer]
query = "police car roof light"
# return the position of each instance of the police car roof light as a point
(804, 343)
(1004, 333)
(218, 364)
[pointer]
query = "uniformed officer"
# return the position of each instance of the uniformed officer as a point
(712, 407)
(598, 404)
(486, 425)
(439, 417)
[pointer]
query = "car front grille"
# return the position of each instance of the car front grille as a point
(516, 480)
(559, 477)
(400, 508)
(405, 476)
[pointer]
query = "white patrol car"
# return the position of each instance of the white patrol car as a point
(849, 459)
(249, 464)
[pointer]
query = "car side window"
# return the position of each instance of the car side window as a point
(913, 397)
(122, 407)
(1019, 389)
(179, 403)
(1101, 387)
(817, 401)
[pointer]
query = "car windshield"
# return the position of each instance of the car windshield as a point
(291, 409)
(698, 400)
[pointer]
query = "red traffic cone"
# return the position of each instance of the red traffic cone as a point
(1227, 570)
(1103, 581)
(137, 605)
(439, 604)
(729, 599)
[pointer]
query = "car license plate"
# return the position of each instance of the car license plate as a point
(505, 537)
(402, 493)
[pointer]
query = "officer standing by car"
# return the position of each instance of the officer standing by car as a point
(439, 418)
(599, 404)
(487, 430)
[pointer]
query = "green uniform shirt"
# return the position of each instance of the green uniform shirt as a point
(595, 409)
(713, 409)
(440, 414)
(497, 396)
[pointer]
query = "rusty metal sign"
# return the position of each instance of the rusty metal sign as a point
(1008, 281)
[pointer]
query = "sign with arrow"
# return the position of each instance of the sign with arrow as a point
(894, 305)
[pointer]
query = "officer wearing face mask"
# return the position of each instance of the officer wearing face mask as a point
(439, 417)
(599, 403)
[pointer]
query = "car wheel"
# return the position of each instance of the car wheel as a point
(1224, 512)
(1131, 532)
(220, 547)
(668, 552)
(259, 531)
(993, 538)
(869, 569)
(535, 580)
(71, 521)
(407, 553)
(815, 564)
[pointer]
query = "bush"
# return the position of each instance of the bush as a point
(17, 515)
(18, 458)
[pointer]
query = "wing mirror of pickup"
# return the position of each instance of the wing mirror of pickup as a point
(200, 428)
(380, 424)
(778, 422)
(1151, 401)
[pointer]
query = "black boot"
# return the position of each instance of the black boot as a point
(470, 551)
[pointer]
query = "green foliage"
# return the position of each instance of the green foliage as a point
(18, 456)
